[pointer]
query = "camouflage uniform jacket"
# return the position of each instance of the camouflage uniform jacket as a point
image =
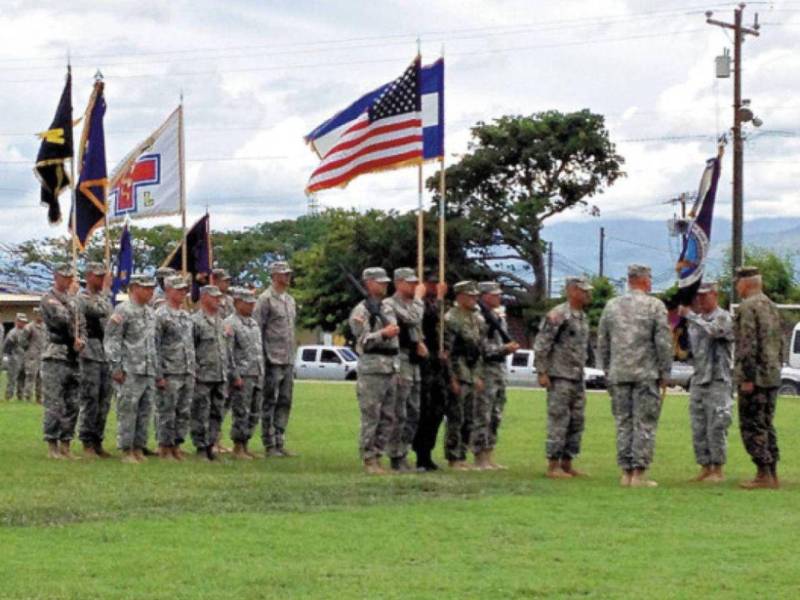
(494, 347)
(225, 307)
(561, 347)
(711, 339)
(376, 354)
(174, 342)
(130, 340)
(244, 347)
(95, 309)
(60, 313)
(276, 314)
(759, 342)
(34, 338)
(634, 343)
(465, 342)
(210, 348)
(409, 315)
(13, 345)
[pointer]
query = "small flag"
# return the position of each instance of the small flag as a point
(147, 183)
(198, 255)
(56, 148)
(124, 267)
(387, 134)
(90, 198)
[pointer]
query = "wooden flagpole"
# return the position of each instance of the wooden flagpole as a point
(442, 231)
(181, 161)
(420, 209)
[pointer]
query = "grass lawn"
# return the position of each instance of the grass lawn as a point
(316, 527)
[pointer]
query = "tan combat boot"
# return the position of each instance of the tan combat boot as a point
(101, 451)
(705, 472)
(89, 450)
(639, 479)
(716, 475)
(177, 453)
(458, 465)
(566, 466)
(495, 465)
(247, 451)
(482, 462)
(239, 452)
(66, 453)
(138, 454)
(53, 451)
(165, 452)
(372, 466)
(129, 458)
(625, 479)
(554, 470)
(762, 481)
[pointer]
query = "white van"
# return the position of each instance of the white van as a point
(325, 362)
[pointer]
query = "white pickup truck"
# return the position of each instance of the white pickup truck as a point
(522, 373)
(790, 374)
(325, 362)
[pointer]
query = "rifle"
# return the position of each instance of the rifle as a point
(494, 323)
(372, 305)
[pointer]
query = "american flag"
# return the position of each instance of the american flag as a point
(387, 135)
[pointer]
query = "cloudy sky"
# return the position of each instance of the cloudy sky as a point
(256, 76)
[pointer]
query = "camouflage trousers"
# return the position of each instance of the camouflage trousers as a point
(33, 380)
(173, 408)
(566, 407)
(495, 379)
(207, 411)
(468, 417)
(376, 400)
(432, 402)
(278, 390)
(95, 401)
(636, 408)
(756, 413)
(407, 398)
(60, 392)
(15, 377)
(710, 408)
(246, 409)
(134, 402)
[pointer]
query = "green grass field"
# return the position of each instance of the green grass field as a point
(316, 527)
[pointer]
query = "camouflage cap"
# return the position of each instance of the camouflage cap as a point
(635, 270)
(747, 271)
(220, 274)
(376, 273)
(279, 266)
(405, 274)
(210, 290)
(468, 287)
(143, 280)
(176, 282)
(22, 317)
(95, 268)
(244, 295)
(63, 269)
(490, 287)
(580, 282)
(707, 287)
(164, 272)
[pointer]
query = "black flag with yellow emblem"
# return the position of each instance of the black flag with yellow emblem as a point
(56, 148)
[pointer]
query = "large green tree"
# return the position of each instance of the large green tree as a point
(520, 171)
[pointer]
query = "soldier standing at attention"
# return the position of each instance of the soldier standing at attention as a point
(95, 308)
(246, 370)
(14, 349)
(275, 313)
(634, 346)
(560, 352)
(491, 304)
(711, 397)
(375, 329)
(758, 359)
(433, 386)
(66, 334)
(162, 274)
(130, 346)
(222, 279)
(35, 339)
(468, 411)
(408, 308)
(175, 369)
(211, 386)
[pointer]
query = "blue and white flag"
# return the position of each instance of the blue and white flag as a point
(124, 266)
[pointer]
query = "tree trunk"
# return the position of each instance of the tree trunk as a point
(536, 259)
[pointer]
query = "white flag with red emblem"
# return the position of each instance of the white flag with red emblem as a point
(147, 183)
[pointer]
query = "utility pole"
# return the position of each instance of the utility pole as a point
(602, 250)
(549, 270)
(738, 117)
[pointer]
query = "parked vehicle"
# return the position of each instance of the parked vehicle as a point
(681, 375)
(522, 373)
(790, 373)
(336, 363)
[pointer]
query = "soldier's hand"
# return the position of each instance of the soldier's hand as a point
(511, 347)
(238, 383)
(747, 387)
(419, 291)
(544, 380)
(161, 383)
(422, 350)
(390, 331)
(684, 310)
(79, 344)
(441, 290)
(455, 386)
(118, 376)
(480, 386)
(107, 281)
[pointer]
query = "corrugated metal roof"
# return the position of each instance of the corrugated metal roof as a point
(19, 298)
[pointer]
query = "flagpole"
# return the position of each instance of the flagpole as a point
(72, 187)
(184, 249)
(442, 229)
(420, 211)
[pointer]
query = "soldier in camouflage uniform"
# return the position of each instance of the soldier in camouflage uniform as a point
(276, 312)
(634, 345)
(374, 327)
(222, 279)
(246, 370)
(175, 369)
(711, 399)
(469, 410)
(34, 338)
(211, 385)
(560, 353)
(14, 349)
(66, 334)
(497, 348)
(162, 274)
(408, 308)
(757, 372)
(95, 308)
(130, 347)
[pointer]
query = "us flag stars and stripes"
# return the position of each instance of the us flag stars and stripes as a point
(387, 135)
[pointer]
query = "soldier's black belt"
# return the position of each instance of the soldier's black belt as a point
(383, 351)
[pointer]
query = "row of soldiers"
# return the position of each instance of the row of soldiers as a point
(22, 349)
(233, 353)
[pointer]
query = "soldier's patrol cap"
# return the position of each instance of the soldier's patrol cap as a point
(176, 282)
(244, 295)
(63, 269)
(469, 287)
(707, 286)
(210, 290)
(580, 282)
(405, 274)
(639, 271)
(164, 272)
(747, 271)
(490, 287)
(22, 317)
(376, 273)
(279, 266)
(221, 274)
(143, 280)
(95, 268)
